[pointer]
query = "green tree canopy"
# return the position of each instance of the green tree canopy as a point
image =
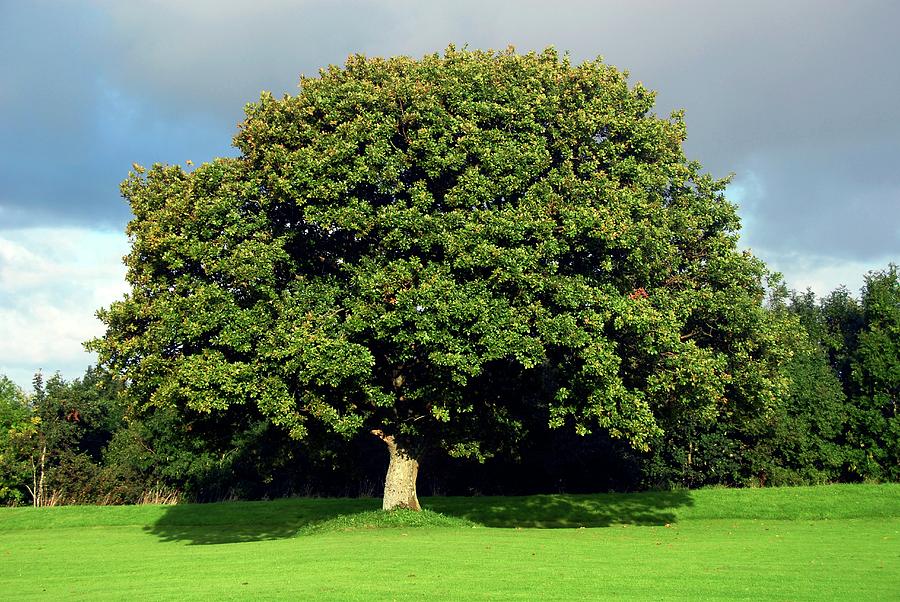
(15, 419)
(875, 378)
(431, 249)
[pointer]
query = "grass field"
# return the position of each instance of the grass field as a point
(805, 543)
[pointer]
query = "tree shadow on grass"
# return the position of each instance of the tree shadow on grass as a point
(567, 511)
(235, 522)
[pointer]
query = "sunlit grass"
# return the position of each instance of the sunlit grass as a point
(835, 542)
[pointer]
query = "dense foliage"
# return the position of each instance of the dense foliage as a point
(15, 425)
(837, 423)
(871, 374)
(437, 250)
(470, 255)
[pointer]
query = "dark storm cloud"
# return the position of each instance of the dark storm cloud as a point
(68, 132)
(802, 98)
(846, 204)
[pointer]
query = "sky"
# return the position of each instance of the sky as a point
(800, 100)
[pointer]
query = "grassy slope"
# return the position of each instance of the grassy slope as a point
(797, 543)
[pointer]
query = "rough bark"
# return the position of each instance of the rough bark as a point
(400, 481)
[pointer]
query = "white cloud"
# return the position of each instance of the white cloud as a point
(822, 274)
(52, 280)
(819, 272)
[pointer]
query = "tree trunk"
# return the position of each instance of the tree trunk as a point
(37, 479)
(400, 482)
(41, 501)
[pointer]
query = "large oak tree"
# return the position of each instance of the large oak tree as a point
(432, 250)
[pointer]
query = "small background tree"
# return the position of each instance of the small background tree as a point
(15, 424)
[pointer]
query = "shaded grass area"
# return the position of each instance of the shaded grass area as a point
(232, 522)
(659, 508)
(567, 511)
(835, 542)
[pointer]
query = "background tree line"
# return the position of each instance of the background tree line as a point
(81, 442)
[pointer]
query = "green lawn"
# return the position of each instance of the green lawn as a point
(816, 543)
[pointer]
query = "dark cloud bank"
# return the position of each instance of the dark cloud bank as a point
(801, 101)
